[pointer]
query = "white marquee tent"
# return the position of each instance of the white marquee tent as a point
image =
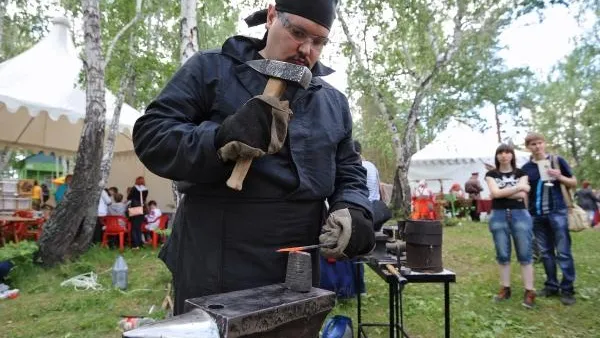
(453, 155)
(42, 108)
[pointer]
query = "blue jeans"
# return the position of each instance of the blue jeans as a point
(516, 223)
(554, 240)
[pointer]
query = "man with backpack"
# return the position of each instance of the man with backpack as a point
(550, 218)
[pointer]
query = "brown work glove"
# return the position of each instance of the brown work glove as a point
(257, 128)
(347, 232)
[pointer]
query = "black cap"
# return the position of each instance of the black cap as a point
(319, 11)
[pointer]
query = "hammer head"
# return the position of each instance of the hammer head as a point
(283, 70)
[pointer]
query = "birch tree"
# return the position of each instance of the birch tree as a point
(506, 91)
(113, 129)
(68, 232)
(189, 29)
(415, 44)
(188, 36)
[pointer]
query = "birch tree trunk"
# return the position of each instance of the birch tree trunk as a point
(387, 115)
(189, 29)
(137, 17)
(189, 46)
(498, 125)
(113, 130)
(69, 231)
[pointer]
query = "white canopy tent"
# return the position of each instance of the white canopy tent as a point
(41, 103)
(42, 108)
(453, 155)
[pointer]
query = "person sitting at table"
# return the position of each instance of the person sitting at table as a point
(153, 216)
(423, 199)
(112, 191)
(118, 208)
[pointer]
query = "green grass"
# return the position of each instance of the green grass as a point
(468, 251)
(45, 309)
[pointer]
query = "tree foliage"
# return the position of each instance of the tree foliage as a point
(422, 65)
(567, 102)
(23, 23)
(156, 55)
(568, 109)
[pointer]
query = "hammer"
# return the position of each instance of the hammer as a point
(279, 72)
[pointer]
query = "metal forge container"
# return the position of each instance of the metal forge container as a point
(424, 246)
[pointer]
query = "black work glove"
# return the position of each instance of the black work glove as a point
(347, 232)
(257, 128)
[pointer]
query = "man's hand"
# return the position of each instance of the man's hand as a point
(555, 173)
(257, 128)
(347, 232)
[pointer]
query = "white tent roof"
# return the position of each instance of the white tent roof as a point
(459, 143)
(42, 106)
(453, 155)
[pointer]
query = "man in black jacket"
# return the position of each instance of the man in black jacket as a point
(212, 113)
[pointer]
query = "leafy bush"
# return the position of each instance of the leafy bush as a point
(20, 254)
(22, 251)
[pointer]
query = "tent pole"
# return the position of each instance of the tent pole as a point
(64, 165)
(56, 165)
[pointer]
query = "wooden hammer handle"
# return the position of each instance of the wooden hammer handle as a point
(275, 87)
(401, 279)
(238, 175)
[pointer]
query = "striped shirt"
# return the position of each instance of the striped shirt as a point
(372, 180)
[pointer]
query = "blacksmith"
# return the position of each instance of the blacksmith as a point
(223, 239)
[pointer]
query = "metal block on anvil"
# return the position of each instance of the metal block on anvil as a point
(268, 312)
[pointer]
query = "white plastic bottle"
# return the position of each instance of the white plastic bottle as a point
(120, 273)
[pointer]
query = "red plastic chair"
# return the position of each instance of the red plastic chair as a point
(36, 231)
(162, 225)
(112, 227)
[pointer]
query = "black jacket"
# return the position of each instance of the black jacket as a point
(134, 197)
(175, 138)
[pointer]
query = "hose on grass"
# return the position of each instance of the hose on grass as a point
(86, 281)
